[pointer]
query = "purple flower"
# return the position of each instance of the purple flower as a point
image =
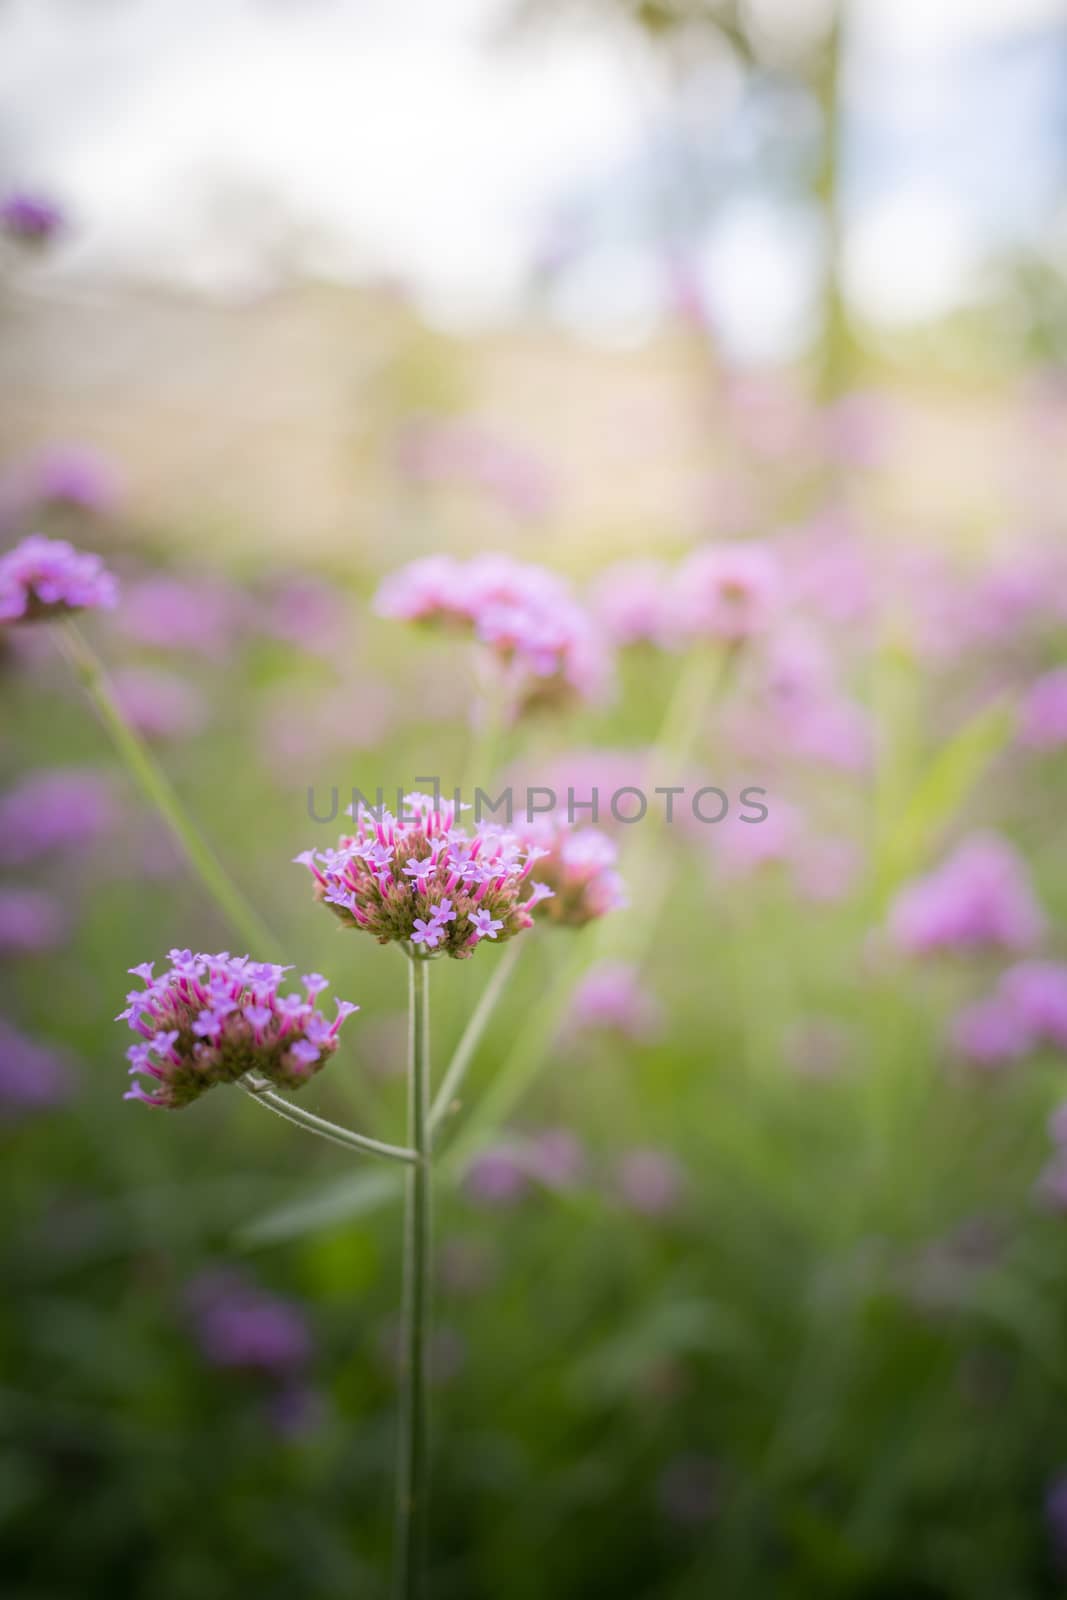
(991, 1033)
(240, 1327)
(611, 998)
(1056, 1518)
(419, 878)
(1037, 991)
(726, 591)
(32, 1078)
(159, 704)
(497, 1177)
(45, 578)
(1043, 717)
(576, 871)
(544, 643)
(30, 218)
(212, 1019)
(53, 810)
(980, 898)
(72, 476)
(633, 602)
(650, 1182)
(172, 613)
(30, 922)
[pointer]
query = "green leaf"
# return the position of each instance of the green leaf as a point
(942, 792)
(328, 1207)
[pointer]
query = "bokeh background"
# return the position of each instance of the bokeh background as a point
(762, 1286)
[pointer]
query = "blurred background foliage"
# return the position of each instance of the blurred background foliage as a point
(764, 1295)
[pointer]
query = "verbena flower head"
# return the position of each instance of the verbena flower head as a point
(75, 477)
(990, 1033)
(980, 898)
(30, 218)
(44, 578)
(420, 879)
(578, 866)
(211, 1019)
(526, 616)
(726, 591)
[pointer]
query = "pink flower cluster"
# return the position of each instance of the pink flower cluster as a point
(43, 578)
(1027, 1010)
(726, 591)
(211, 1019)
(420, 879)
(578, 865)
(525, 615)
(980, 898)
(612, 999)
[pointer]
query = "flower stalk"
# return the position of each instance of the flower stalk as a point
(412, 1488)
(157, 790)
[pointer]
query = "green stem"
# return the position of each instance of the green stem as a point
(456, 1071)
(157, 790)
(326, 1130)
(412, 1490)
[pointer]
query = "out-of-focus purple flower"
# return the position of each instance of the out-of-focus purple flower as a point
(980, 898)
(295, 1410)
(307, 613)
(240, 1327)
(467, 454)
(159, 704)
(726, 591)
(740, 848)
(650, 1182)
(688, 1490)
(212, 1019)
(990, 1033)
(77, 477)
(1056, 1517)
(543, 640)
(1043, 716)
(1037, 992)
(30, 922)
(45, 578)
(611, 998)
(172, 613)
(419, 878)
(555, 1158)
(829, 570)
(497, 1177)
(53, 810)
(1051, 1187)
(632, 600)
(32, 1077)
(30, 218)
(577, 880)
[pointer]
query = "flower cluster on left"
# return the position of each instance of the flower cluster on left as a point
(215, 1018)
(45, 578)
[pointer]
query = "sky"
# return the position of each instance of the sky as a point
(193, 139)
